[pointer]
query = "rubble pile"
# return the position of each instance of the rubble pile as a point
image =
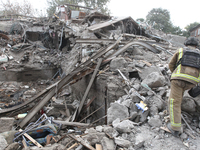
(89, 81)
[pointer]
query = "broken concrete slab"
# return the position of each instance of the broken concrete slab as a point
(93, 136)
(3, 143)
(154, 80)
(118, 63)
(145, 72)
(155, 122)
(188, 105)
(107, 144)
(123, 143)
(6, 124)
(123, 127)
(110, 131)
(13, 146)
(9, 136)
(117, 111)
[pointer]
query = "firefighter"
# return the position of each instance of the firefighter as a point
(185, 75)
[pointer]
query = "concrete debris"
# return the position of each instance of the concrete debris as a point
(123, 127)
(154, 80)
(3, 143)
(107, 144)
(117, 111)
(79, 80)
(6, 124)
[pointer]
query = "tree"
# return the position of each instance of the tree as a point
(160, 19)
(176, 30)
(52, 4)
(15, 8)
(96, 4)
(189, 27)
(140, 19)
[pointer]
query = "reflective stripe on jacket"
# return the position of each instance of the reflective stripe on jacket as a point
(186, 73)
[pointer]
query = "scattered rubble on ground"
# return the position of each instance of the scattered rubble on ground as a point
(88, 82)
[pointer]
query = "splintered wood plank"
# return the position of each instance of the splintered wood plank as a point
(80, 140)
(99, 147)
(166, 129)
(31, 139)
(89, 86)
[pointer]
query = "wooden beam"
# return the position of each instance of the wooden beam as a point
(80, 140)
(74, 145)
(31, 139)
(89, 86)
(99, 147)
(71, 123)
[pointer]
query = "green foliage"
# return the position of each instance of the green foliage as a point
(15, 8)
(54, 3)
(160, 19)
(140, 19)
(98, 4)
(176, 30)
(189, 27)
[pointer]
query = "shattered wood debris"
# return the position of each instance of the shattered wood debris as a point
(85, 80)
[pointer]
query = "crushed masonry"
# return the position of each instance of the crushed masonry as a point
(88, 81)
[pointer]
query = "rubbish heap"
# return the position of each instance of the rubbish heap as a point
(85, 80)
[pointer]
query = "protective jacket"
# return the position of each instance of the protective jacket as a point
(181, 72)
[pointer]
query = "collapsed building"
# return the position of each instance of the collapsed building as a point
(85, 80)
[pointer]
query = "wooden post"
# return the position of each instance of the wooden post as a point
(31, 139)
(99, 147)
(89, 86)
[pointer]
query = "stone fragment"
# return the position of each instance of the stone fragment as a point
(155, 122)
(184, 136)
(124, 126)
(127, 103)
(117, 111)
(107, 144)
(137, 87)
(55, 146)
(110, 131)
(135, 98)
(133, 115)
(143, 115)
(139, 141)
(55, 112)
(137, 51)
(145, 72)
(118, 63)
(93, 136)
(158, 102)
(153, 110)
(3, 143)
(154, 80)
(188, 105)
(6, 124)
(13, 146)
(149, 93)
(114, 92)
(9, 136)
(133, 108)
(121, 142)
(125, 97)
(99, 128)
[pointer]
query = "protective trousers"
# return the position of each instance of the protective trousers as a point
(175, 99)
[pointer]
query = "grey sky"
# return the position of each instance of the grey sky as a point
(182, 12)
